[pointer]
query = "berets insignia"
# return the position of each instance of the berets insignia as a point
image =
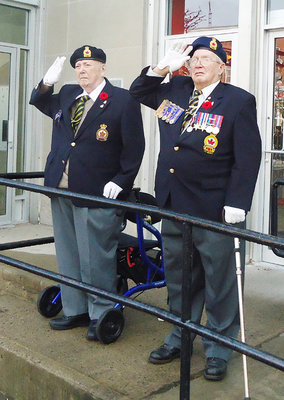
(213, 44)
(169, 112)
(87, 52)
(102, 133)
(210, 144)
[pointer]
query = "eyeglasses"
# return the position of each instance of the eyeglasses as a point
(204, 61)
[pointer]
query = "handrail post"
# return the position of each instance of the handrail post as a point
(186, 311)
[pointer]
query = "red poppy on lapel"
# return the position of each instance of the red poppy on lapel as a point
(207, 104)
(103, 96)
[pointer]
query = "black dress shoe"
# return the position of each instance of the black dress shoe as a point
(64, 322)
(215, 369)
(92, 335)
(164, 354)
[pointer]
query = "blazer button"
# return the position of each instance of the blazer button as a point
(73, 144)
(63, 161)
(176, 148)
(172, 170)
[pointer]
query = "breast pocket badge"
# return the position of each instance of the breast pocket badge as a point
(102, 133)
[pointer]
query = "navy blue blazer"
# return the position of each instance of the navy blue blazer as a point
(108, 146)
(199, 183)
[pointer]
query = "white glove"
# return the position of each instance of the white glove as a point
(176, 56)
(54, 72)
(111, 190)
(234, 215)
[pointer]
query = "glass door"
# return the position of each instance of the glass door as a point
(7, 107)
(274, 145)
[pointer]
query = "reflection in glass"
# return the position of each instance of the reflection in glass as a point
(13, 25)
(4, 117)
(278, 173)
(278, 111)
(188, 15)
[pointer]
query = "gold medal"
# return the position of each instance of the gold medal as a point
(102, 133)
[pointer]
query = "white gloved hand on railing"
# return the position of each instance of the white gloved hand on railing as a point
(234, 215)
(54, 72)
(176, 56)
(111, 190)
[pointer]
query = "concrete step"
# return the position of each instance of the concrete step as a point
(37, 363)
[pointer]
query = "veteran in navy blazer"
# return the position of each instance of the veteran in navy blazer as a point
(209, 158)
(97, 148)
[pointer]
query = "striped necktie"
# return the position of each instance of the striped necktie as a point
(192, 107)
(75, 121)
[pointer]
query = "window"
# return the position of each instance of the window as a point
(275, 10)
(187, 15)
(13, 25)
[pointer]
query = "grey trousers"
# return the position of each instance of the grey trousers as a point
(214, 283)
(86, 240)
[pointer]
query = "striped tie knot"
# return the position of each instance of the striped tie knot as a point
(75, 121)
(192, 107)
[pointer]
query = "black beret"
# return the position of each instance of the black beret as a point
(209, 43)
(87, 53)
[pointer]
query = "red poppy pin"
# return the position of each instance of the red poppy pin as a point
(103, 96)
(207, 104)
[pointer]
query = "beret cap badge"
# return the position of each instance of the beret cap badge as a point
(213, 44)
(87, 52)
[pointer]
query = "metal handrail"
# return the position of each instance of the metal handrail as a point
(183, 322)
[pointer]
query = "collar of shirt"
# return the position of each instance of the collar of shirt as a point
(206, 92)
(95, 93)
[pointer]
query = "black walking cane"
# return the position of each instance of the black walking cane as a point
(241, 311)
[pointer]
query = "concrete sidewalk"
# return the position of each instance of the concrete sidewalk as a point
(37, 363)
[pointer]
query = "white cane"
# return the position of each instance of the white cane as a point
(241, 311)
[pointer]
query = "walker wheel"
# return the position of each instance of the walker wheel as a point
(110, 326)
(44, 302)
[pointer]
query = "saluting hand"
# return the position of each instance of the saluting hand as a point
(54, 72)
(176, 56)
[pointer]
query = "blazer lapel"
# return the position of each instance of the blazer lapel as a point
(67, 108)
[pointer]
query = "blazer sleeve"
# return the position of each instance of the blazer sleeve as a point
(146, 89)
(247, 157)
(45, 101)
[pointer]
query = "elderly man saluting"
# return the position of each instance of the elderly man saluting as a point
(93, 152)
(207, 167)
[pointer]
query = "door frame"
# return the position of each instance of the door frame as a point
(12, 124)
(267, 253)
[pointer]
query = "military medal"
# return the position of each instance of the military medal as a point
(169, 112)
(210, 123)
(210, 144)
(102, 133)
